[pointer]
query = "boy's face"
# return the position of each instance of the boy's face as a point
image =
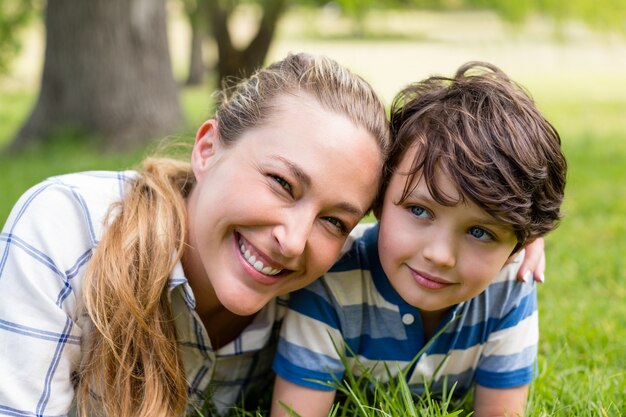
(437, 256)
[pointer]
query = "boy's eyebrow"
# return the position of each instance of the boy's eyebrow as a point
(305, 179)
(489, 221)
(420, 195)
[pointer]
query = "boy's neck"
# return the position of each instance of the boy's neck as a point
(431, 321)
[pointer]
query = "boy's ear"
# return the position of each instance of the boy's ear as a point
(206, 146)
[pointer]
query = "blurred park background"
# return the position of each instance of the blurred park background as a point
(106, 80)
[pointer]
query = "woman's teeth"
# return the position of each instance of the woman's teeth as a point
(256, 263)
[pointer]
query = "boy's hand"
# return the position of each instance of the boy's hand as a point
(300, 401)
(509, 402)
(534, 264)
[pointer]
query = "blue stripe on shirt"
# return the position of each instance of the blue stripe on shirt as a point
(311, 304)
(36, 333)
(526, 307)
(510, 362)
(501, 380)
(308, 359)
(478, 333)
(369, 316)
(41, 406)
(378, 348)
(305, 377)
(14, 412)
(41, 257)
(80, 262)
(19, 214)
(87, 215)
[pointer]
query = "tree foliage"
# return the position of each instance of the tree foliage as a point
(606, 15)
(14, 14)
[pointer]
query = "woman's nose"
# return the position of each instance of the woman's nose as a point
(293, 233)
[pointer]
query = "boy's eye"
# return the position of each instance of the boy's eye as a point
(419, 211)
(480, 234)
(283, 183)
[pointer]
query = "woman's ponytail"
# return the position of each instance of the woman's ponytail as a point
(133, 366)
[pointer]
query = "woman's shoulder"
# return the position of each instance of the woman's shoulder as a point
(98, 184)
(87, 183)
(61, 205)
(90, 186)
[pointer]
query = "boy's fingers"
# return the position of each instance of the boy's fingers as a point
(541, 269)
(534, 262)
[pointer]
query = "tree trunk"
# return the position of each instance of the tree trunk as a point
(196, 11)
(236, 63)
(107, 73)
(196, 61)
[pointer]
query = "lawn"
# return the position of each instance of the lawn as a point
(581, 87)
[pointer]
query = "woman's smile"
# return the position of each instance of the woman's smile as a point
(258, 260)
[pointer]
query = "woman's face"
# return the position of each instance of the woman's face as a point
(270, 213)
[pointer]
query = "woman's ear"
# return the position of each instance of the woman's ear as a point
(205, 147)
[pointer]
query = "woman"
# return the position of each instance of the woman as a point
(130, 292)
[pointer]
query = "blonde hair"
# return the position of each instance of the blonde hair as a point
(336, 88)
(132, 366)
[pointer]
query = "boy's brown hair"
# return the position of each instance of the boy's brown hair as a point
(485, 132)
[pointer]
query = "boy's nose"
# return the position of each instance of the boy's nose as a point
(440, 250)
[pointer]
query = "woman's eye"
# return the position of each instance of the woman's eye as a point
(283, 183)
(419, 211)
(338, 224)
(480, 234)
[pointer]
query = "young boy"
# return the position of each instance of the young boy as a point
(476, 174)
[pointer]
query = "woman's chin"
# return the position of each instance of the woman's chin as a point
(245, 305)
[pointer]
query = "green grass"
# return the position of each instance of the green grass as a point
(13, 108)
(582, 370)
(583, 304)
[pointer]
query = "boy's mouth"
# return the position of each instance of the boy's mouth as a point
(429, 281)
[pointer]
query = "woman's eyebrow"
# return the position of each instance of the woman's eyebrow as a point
(296, 171)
